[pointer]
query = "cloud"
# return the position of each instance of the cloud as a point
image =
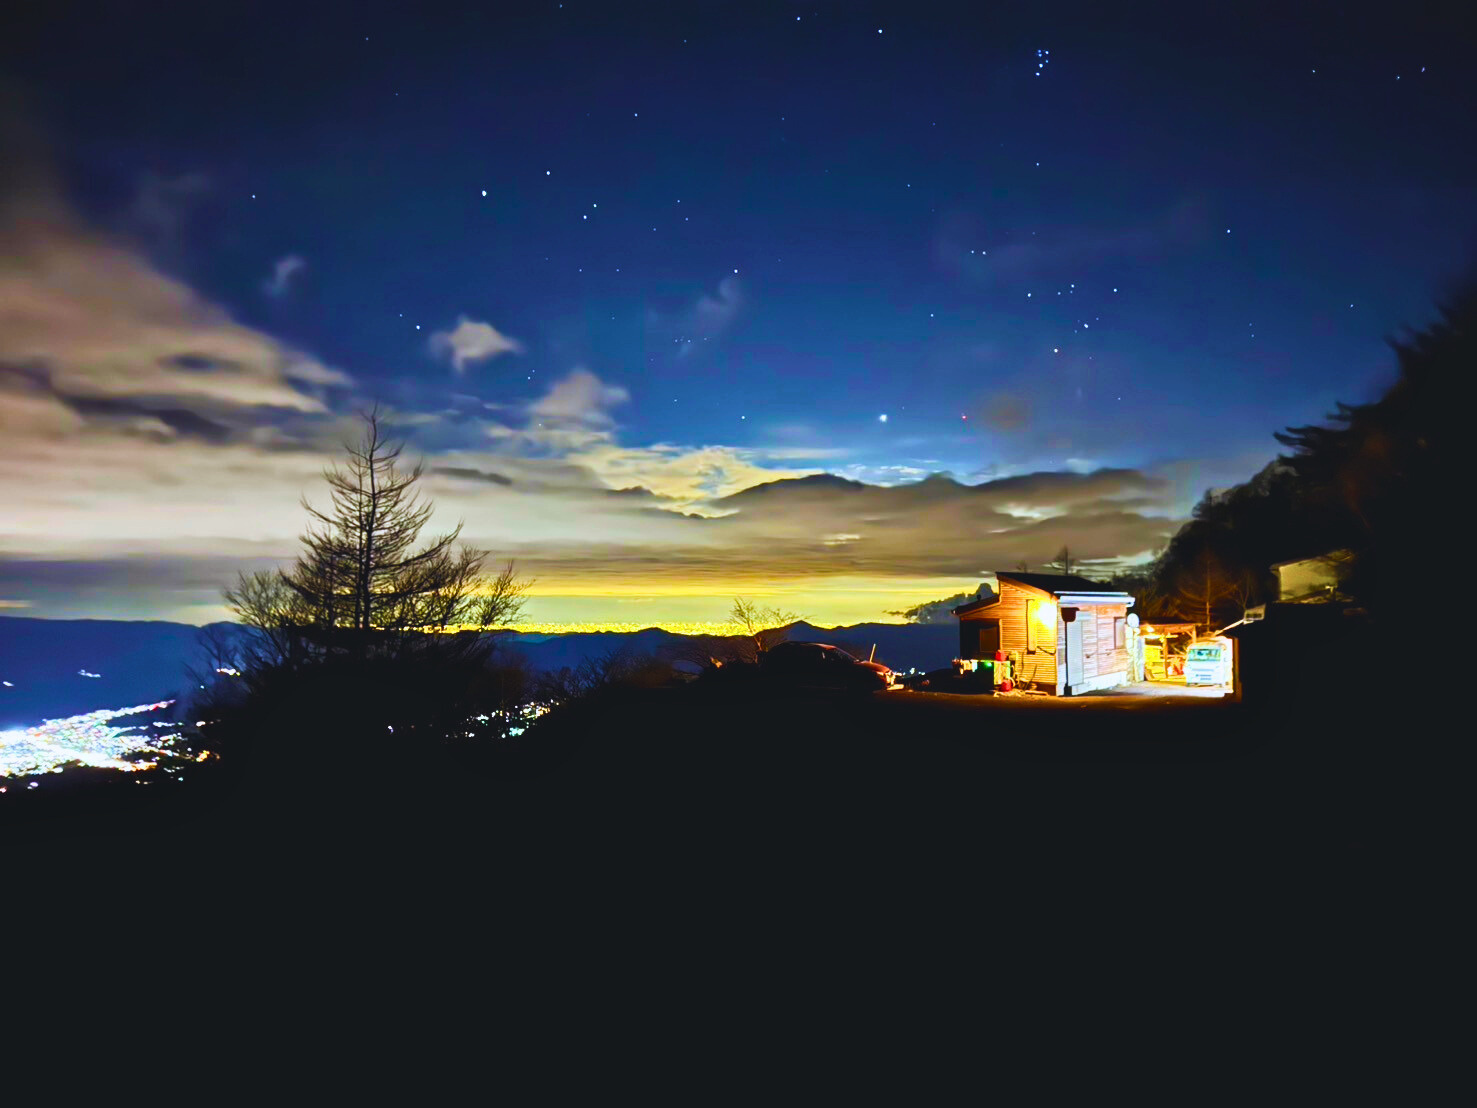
(693, 327)
(962, 247)
(711, 315)
(692, 478)
(472, 341)
(940, 527)
(161, 205)
(1006, 411)
(151, 446)
(95, 320)
(467, 473)
(276, 285)
(579, 401)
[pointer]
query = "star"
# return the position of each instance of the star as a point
(882, 418)
(484, 192)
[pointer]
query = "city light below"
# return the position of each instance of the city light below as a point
(89, 740)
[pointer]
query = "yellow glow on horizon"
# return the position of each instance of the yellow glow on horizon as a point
(754, 585)
(679, 627)
(701, 606)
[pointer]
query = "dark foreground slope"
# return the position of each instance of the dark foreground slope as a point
(766, 873)
(682, 785)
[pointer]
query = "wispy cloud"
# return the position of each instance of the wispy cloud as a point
(162, 205)
(472, 341)
(282, 273)
(712, 315)
(699, 323)
(964, 248)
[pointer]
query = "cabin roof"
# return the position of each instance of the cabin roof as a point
(1057, 584)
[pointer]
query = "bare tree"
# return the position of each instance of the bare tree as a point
(1023, 567)
(764, 626)
(362, 583)
(615, 667)
(1204, 587)
(1063, 562)
(1243, 591)
(278, 619)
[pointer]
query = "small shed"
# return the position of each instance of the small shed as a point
(1311, 580)
(1165, 645)
(1069, 635)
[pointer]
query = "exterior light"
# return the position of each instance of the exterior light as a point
(1046, 613)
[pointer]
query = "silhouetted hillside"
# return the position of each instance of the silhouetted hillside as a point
(140, 662)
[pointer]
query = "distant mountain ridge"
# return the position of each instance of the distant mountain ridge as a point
(46, 661)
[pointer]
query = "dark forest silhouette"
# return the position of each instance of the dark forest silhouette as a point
(1376, 480)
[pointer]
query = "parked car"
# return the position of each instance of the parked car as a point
(1208, 662)
(821, 666)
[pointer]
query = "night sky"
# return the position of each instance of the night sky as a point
(1033, 276)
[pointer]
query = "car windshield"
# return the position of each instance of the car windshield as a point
(1205, 654)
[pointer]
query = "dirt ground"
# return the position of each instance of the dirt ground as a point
(1142, 693)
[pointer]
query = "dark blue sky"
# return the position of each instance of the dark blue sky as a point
(1109, 236)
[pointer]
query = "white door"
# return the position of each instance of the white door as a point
(1074, 653)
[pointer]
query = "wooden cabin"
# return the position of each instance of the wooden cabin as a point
(1069, 634)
